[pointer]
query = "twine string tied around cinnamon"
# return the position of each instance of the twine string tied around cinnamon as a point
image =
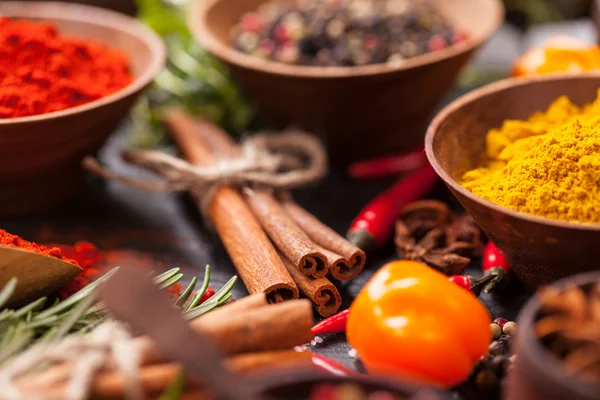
(109, 342)
(278, 161)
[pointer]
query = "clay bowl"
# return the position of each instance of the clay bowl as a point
(360, 111)
(538, 373)
(539, 250)
(298, 384)
(40, 155)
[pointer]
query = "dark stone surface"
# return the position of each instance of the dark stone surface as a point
(114, 216)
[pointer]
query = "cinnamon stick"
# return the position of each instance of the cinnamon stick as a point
(250, 249)
(252, 302)
(196, 394)
(154, 379)
(258, 362)
(251, 328)
(324, 295)
(295, 245)
(354, 258)
(273, 327)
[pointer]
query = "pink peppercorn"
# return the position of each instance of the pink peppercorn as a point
(500, 321)
(436, 42)
(251, 22)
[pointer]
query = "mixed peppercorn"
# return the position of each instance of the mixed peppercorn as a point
(343, 32)
(491, 369)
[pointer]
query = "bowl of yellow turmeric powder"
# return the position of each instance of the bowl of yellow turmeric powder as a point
(523, 157)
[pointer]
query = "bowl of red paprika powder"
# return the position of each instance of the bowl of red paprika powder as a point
(69, 75)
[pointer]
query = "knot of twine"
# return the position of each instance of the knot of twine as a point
(278, 161)
(110, 342)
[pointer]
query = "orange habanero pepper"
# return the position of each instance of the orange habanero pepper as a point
(411, 323)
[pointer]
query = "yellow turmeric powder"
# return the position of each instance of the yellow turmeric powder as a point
(548, 166)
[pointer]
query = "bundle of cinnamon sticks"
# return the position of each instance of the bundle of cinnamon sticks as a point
(254, 335)
(277, 247)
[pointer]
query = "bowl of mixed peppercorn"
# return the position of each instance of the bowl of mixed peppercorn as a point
(365, 75)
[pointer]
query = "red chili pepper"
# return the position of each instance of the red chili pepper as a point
(333, 367)
(495, 265)
(470, 283)
(207, 295)
(461, 280)
(374, 225)
(388, 166)
(334, 324)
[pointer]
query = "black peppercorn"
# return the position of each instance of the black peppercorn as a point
(486, 380)
(343, 32)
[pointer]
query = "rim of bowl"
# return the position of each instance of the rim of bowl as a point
(539, 355)
(475, 95)
(196, 18)
(275, 380)
(94, 16)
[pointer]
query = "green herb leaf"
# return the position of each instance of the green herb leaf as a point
(175, 389)
(34, 306)
(74, 316)
(76, 298)
(213, 302)
(8, 291)
(165, 276)
(170, 282)
(186, 293)
(202, 290)
(80, 313)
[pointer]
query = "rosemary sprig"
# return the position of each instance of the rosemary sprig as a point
(40, 322)
(202, 290)
(175, 389)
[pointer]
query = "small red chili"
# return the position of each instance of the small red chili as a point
(494, 264)
(472, 284)
(374, 225)
(461, 280)
(388, 166)
(330, 366)
(207, 295)
(334, 324)
(493, 257)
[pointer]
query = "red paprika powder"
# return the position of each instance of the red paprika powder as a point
(10, 240)
(42, 71)
(89, 258)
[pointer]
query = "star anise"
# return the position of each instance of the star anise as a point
(428, 232)
(569, 326)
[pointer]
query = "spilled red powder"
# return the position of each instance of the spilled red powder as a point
(134, 258)
(10, 240)
(88, 257)
(95, 263)
(42, 71)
